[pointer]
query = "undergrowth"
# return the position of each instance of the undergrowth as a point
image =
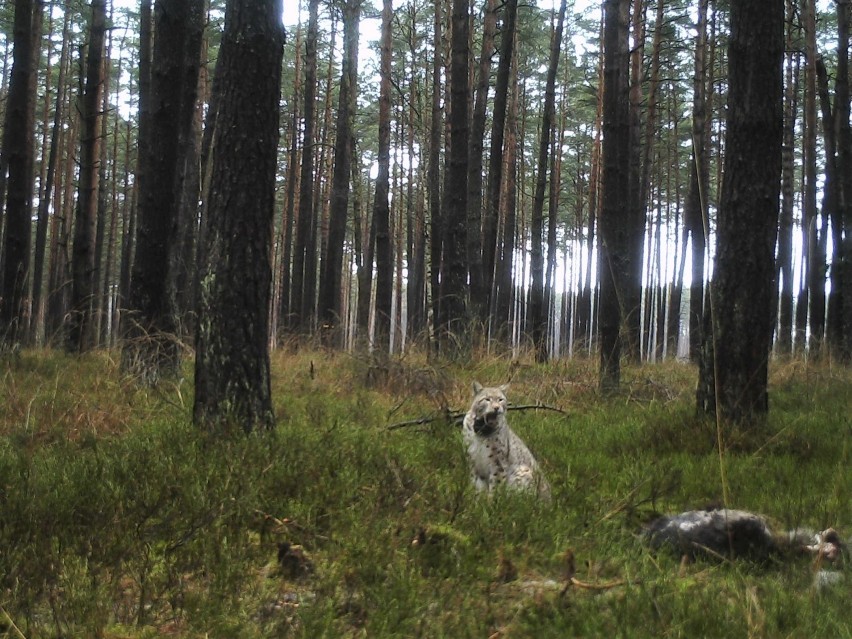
(119, 519)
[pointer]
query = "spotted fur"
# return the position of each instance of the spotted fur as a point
(497, 455)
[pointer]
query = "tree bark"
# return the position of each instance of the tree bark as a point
(433, 176)
(614, 248)
(232, 378)
(537, 311)
(454, 292)
(151, 349)
(381, 205)
(84, 264)
(785, 231)
(744, 276)
(302, 293)
(18, 152)
(332, 267)
(809, 198)
(478, 279)
(497, 286)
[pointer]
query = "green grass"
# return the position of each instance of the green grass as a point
(118, 519)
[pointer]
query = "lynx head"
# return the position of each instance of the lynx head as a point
(489, 406)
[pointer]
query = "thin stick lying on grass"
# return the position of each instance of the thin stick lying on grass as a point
(457, 417)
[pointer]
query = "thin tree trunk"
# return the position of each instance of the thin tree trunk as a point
(381, 204)
(809, 198)
(494, 184)
(537, 318)
(695, 209)
(43, 219)
(301, 293)
(637, 208)
(433, 176)
(332, 267)
(84, 260)
(785, 231)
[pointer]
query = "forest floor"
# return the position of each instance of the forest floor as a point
(119, 519)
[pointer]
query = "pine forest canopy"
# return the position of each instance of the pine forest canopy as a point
(442, 176)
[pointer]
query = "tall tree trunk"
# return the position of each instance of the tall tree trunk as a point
(495, 181)
(733, 383)
(478, 279)
(332, 267)
(828, 310)
(232, 379)
(433, 176)
(287, 305)
(81, 335)
(183, 258)
(637, 208)
(381, 205)
(509, 198)
(537, 316)
(785, 230)
(43, 220)
(696, 206)
(415, 199)
(809, 199)
(151, 348)
(843, 252)
(614, 248)
(301, 300)
(453, 292)
(18, 153)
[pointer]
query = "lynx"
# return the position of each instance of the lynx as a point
(497, 455)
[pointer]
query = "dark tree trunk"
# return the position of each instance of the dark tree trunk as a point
(818, 241)
(18, 154)
(785, 229)
(632, 304)
(332, 267)
(451, 326)
(183, 258)
(478, 279)
(498, 294)
(695, 209)
(39, 260)
(151, 347)
(81, 335)
(744, 276)
(614, 255)
(843, 250)
(809, 199)
(286, 307)
(537, 312)
(232, 383)
(381, 205)
(502, 292)
(302, 292)
(434, 167)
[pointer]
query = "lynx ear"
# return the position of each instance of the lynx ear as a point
(476, 388)
(505, 387)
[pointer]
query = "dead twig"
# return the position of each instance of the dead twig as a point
(457, 416)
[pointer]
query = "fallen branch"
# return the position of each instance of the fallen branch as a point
(457, 417)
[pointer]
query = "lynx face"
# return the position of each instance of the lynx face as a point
(489, 405)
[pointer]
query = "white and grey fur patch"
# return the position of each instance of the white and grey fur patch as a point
(497, 455)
